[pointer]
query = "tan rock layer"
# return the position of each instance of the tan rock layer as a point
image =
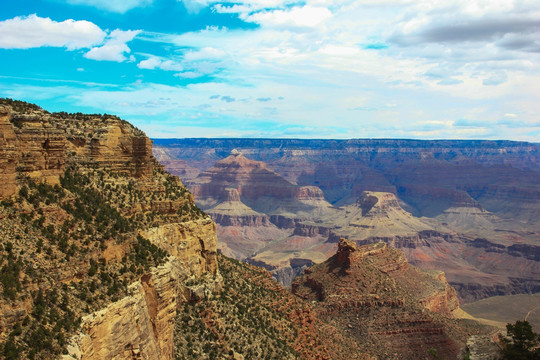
(8, 156)
(40, 146)
(141, 325)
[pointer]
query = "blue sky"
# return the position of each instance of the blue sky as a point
(454, 69)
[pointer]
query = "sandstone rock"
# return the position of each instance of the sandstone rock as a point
(193, 243)
(8, 154)
(45, 145)
(42, 146)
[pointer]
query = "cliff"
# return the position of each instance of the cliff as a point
(99, 246)
(46, 143)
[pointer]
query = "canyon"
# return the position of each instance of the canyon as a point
(105, 255)
(469, 208)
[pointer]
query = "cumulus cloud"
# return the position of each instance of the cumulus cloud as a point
(24, 32)
(117, 6)
(115, 47)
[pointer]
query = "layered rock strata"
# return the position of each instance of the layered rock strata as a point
(111, 212)
(373, 293)
(45, 144)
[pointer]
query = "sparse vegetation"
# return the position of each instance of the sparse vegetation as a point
(524, 343)
(20, 106)
(53, 250)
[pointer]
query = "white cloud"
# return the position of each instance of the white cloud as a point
(204, 53)
(297, 17)
(33, 31)
(24, 32)
(117, 6)
(114, 48)
(151, 63)
(355, 68)
(154, 62)
(194, 6)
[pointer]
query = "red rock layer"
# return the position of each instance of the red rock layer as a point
(382, 302)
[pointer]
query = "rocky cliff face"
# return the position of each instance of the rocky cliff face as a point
(385, 304)
(8, 154)
(99, 246)
(141, 325)
(45, 144)
(137, 326)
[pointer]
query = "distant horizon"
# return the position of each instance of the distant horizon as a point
(348, 139)
(340, 69)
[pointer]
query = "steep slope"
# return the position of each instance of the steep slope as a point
(96, 240)
(255, 318)
(387, 307)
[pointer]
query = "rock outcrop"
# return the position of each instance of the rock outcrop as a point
(8, 154)
(193, 243)
(373, 293)
(46, 143)
(140, 325)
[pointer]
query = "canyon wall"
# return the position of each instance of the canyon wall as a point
(432, 199)
(58, 167)
(40, 145)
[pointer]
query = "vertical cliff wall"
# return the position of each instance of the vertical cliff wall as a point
(111, 214)
(8, 155)
(40, 145)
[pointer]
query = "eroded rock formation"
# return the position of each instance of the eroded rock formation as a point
(384, 303)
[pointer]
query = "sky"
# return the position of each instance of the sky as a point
(423, 69)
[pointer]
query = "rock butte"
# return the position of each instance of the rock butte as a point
(375, 282)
